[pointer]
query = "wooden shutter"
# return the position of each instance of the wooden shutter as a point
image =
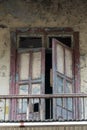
(30, 80)
(62, 57)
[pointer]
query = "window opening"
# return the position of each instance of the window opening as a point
(30, 42)
(64, 40)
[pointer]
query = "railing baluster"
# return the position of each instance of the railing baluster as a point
(10, 105)
(78, 107)
(21, 108)
(83, 109)
(73, 105)
(16, 109)
(61, 107)
(27, 114)
(72, 110)
(67, 108)
(39, 108)
(4, 108)
(75, 109)
(33, 109)
(50, 108)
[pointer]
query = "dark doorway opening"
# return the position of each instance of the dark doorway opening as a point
(48, 86)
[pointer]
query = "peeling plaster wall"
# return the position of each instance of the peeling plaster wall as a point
(43, 13)
(83, 60)
(40, 13)
(4, 70)
(4, 60)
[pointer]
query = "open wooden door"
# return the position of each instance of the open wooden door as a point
(30, 75)
(62, 57)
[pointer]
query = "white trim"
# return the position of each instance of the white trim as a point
(20, 124)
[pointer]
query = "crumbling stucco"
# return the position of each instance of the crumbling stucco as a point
(4, 70)
(43, 13)
(4, 60)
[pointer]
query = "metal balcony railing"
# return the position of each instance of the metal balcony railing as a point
(58, 107)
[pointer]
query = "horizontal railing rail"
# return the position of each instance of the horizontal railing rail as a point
(73, 95)
(46, 107)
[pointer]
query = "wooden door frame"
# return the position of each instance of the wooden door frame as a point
(45, 32)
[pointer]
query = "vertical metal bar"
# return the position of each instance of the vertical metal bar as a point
(16, 108)
(75, 109)
(83, 109)
(29, 105)
(22, 109)
(39, 108)
(33, 109)
(50, 108)
(78, 107)
(10, 104)
(67, 109)
(70, 113)
(62, 108)
(72, 108)
(27, 116)
(4, 109)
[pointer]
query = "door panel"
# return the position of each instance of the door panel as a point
(36, 65)
(30, 81)
(68, 87)
(68, 63)
(62, 79)
(60, 59)
(36, 88)
(60, 84)
(24, 63)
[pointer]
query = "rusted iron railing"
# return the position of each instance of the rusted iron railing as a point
(47, 107)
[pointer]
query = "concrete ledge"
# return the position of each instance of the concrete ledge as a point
(23, 124)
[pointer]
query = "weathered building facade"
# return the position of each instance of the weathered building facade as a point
(24, 21)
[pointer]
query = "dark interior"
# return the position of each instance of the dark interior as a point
(30, 42)
(48, 88)
(65, 40)
(36, 107)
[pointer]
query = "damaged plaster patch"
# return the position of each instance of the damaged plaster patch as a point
(83, 41)
(83, 62)
(4, 60)
(83, 67)
(43, 13)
